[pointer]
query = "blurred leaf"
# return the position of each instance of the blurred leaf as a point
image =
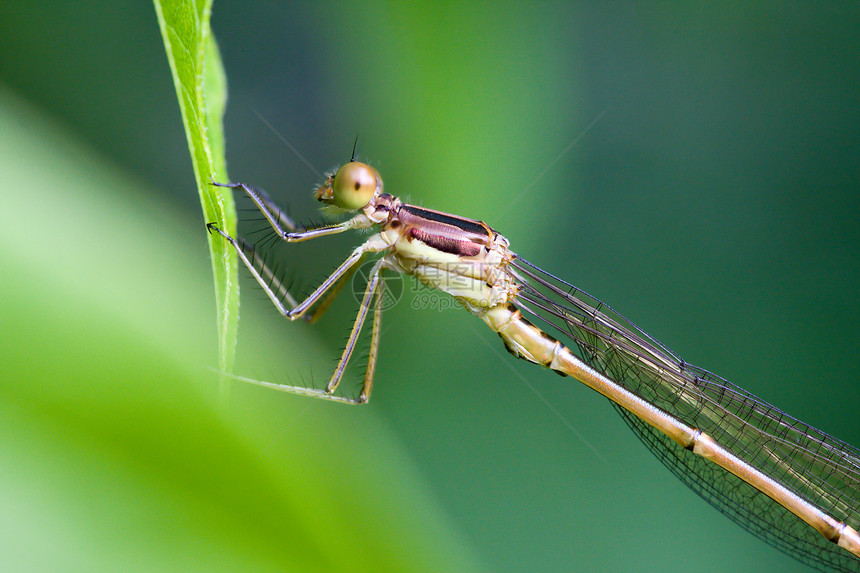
(113, 453)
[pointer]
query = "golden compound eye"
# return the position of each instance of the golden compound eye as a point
(354, 185)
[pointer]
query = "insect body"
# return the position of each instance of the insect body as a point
(788, 482)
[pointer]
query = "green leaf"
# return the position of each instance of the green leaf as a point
(113, 452)
(327, 524)
(201, 88)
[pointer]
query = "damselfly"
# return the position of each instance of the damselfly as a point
(785, 481)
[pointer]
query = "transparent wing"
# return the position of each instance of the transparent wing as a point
(817, 467)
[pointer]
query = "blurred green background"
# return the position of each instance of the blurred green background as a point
(694, 166)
